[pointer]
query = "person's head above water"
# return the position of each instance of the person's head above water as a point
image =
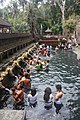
(58, 87)
(33, 91)
(48, 90)
(47, 93)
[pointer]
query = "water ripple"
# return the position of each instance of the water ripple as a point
(64, 70)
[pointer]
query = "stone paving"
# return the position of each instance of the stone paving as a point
(11, 115)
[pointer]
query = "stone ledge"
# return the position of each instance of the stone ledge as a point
(11, 114)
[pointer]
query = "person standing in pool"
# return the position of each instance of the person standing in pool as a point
(48, 98)
(25, 81)
(32, 97)
(47, 65)
(57, 98)
(18, 96)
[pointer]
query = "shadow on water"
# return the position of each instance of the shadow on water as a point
(64, 69)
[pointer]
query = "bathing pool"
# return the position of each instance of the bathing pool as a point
(64, 69)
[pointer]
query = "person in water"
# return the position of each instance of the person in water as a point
(28, 72)
(32, 97)
(18, 96)
(47, 65)
(57, 98)
(38, 66)
(48, 98)
(26, 83)
(4, 95)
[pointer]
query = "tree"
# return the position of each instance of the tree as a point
(77, 7)
(22, 3)
(70, 25)
(61, 4)
(33, 14)
(30, 21)
(15, 9)
(2, 2)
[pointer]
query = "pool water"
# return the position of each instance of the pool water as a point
(64, 69)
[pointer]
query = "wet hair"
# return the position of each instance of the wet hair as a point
(47, 94)
(26, 75)
(25, 58)
(21, 72)
(37, 62)
(33, 91)
(41, 66)
(48, 61)
(48, 54)
(28, 70)
(21, 86)
(39, 58)
(58, 87)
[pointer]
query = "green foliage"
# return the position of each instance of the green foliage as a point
(69, 25)
(57, 29)
(77, 7)
(51, 18)
(30, 15)
(72, 7)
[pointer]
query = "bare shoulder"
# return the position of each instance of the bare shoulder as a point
(58, 95)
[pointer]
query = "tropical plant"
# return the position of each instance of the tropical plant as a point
(69, 25)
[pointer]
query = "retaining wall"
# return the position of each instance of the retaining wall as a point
(13, 42)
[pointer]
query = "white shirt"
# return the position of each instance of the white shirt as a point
(32, 99)
(58, 101)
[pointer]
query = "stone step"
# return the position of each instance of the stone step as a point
(12, 115)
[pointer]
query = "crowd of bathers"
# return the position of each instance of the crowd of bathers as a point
(16, 79)
(67, 43)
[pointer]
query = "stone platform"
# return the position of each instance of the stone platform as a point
(12, 115)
